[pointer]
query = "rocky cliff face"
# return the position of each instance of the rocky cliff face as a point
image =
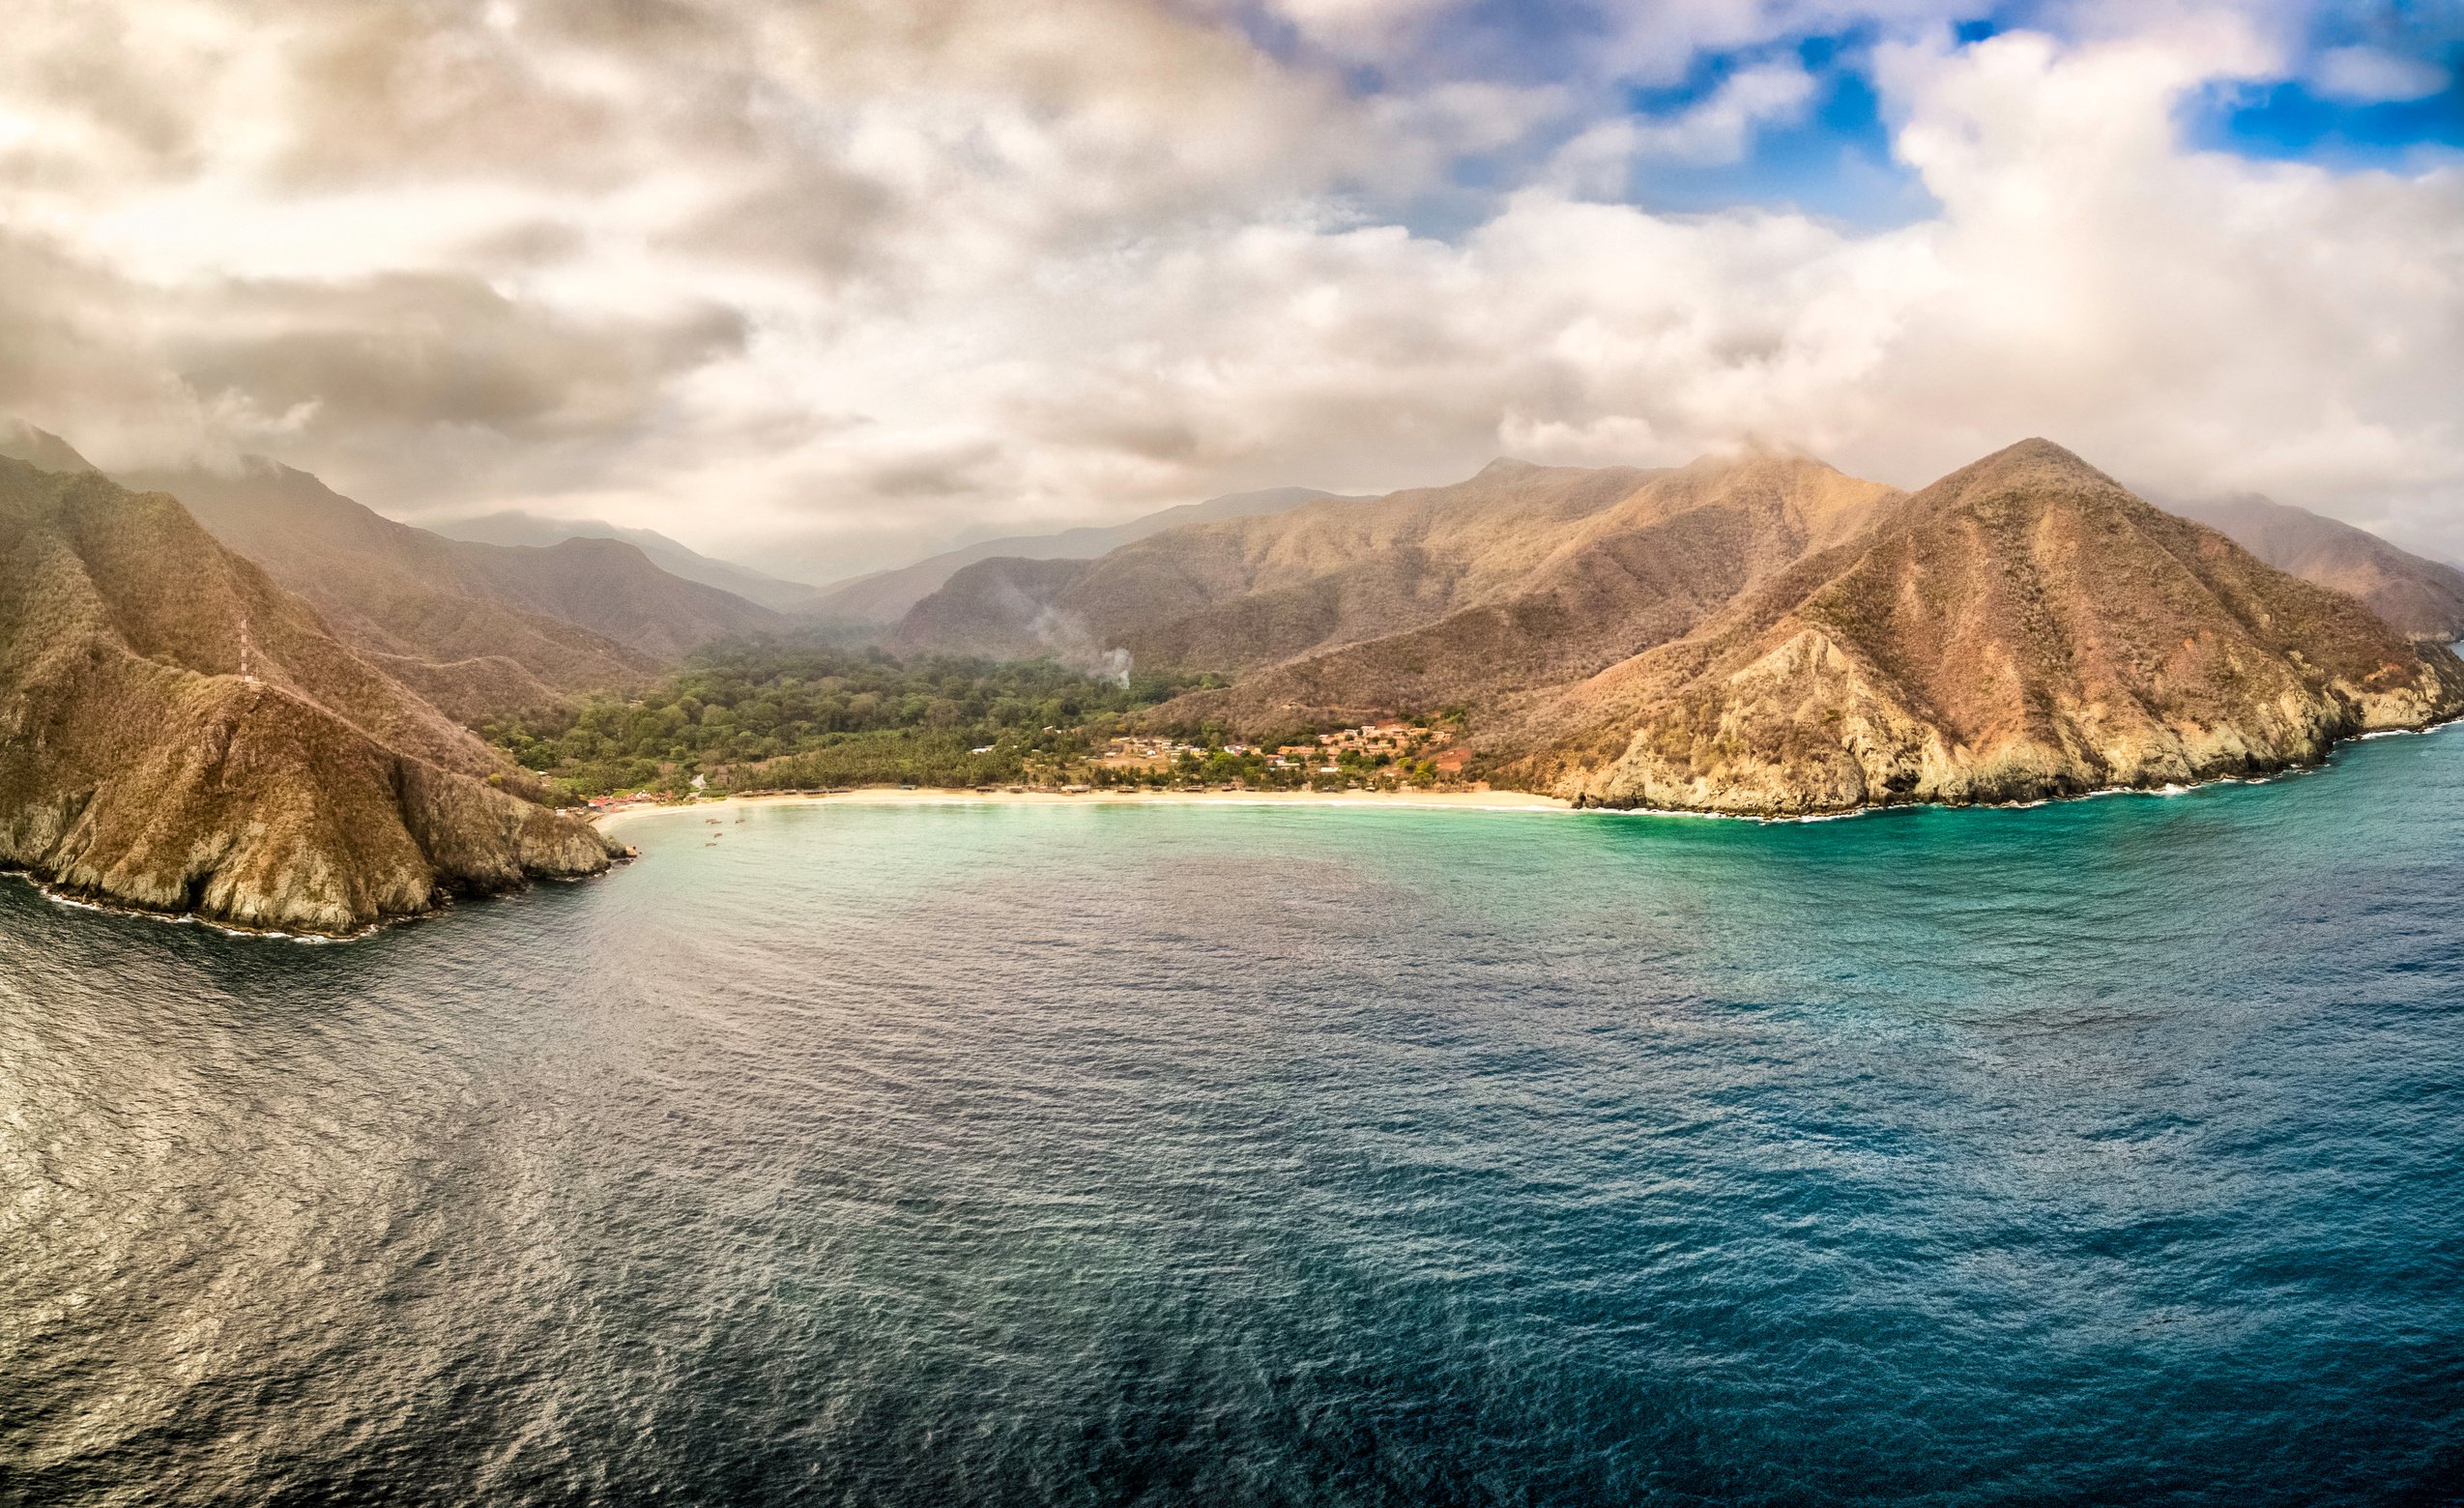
(2023, 628)
(177, 734)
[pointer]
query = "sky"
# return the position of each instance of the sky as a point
(821, 286)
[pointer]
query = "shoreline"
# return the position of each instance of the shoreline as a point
(893, 795)
(1468, 800)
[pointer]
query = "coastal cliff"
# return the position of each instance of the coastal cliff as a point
(179, 735)
(2022, 628)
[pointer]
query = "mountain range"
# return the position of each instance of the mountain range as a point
(239, 694)
(885, 597)
(514, 526)
(2023, 628)
(1756, 635)
(475, 628)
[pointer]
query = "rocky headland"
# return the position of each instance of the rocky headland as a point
(180, 734)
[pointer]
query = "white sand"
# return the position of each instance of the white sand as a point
(891, 796)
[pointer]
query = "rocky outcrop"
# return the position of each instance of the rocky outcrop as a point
(2023, 628)
(177, 734)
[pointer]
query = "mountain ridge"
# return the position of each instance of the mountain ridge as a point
(2421, 597)
(514, 527)
(2022, 628)
(885, 597)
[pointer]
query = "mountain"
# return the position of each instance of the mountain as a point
(885, 597)
(178, 733)
(2022, 628)
(1521, 572)
(1593, 591)
(2423, 597)
(476, 627)
(40, 448)
(515, 527)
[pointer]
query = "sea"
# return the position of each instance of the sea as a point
(2106, 1151)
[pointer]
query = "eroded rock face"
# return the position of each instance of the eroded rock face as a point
(2023, 628)
(178, 735)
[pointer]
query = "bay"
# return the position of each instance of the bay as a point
(2103, 1151)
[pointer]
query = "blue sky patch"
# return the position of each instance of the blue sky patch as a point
(2287, 121)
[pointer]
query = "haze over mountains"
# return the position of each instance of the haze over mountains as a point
(2423, 597)
(473, 627)
(326, 545)
(885, 597)
(512, 527)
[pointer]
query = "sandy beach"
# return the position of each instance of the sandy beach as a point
(891, 795)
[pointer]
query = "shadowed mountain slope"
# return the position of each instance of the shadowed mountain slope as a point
(402, 595)
(885, 597)
(2423, 597)
(2022, 628)
(476, 627)
(179, 734)
(293, 524)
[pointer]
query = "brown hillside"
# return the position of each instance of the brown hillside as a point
(1238, 592)
(885, 597)
(1234, 595)
(1674, 550)
(178, 733)
(1000, 609)
(2022, 628)
(493, 625)
(2421, 598)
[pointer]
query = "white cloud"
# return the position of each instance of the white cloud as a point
(843, 281)
(1599, 162)
(2366, 75)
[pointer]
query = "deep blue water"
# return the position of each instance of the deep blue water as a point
(2105, 1151)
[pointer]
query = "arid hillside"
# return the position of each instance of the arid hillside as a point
(1674, 550)
(2022, 628)
(885, 597)
(2423, 597)
(1238, 596)
(179, 734)
(584, 614)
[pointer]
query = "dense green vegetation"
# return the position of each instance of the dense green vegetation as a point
(769, 713)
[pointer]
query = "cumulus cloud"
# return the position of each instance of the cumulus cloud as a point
(833, 283)
(2367, 76)
(1599, 162)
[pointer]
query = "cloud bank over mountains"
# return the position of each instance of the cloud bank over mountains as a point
(829, 283)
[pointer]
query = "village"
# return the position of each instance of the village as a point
(1382, 755)
(1346, 751)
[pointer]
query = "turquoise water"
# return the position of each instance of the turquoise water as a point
(2112, 1150)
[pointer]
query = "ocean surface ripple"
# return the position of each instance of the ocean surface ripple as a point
(2105, 1151)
